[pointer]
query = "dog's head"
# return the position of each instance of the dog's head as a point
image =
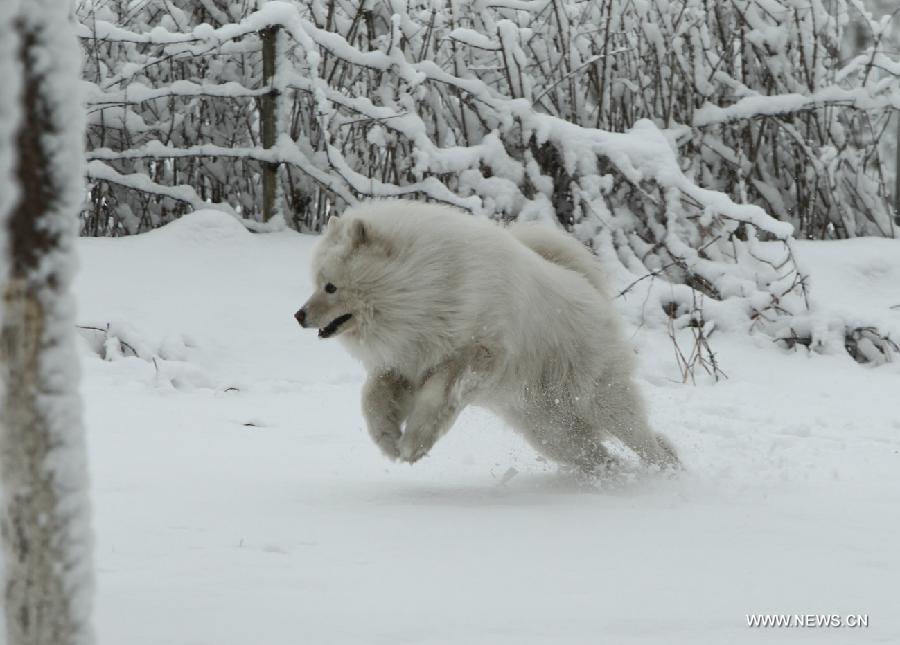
(345, 260)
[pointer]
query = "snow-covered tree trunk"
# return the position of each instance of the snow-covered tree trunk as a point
(45, 513)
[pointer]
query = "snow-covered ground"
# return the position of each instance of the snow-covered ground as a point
(239, 500)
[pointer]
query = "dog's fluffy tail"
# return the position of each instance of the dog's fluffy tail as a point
(559, 248)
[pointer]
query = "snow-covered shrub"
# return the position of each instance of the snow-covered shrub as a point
(140, 94)
(864, 344)
(690, 139)
(757, 94)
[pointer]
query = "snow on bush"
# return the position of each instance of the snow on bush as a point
(689, 139)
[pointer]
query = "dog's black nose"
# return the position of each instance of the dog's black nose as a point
(301, 317)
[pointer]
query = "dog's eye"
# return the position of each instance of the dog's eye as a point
(330, 288)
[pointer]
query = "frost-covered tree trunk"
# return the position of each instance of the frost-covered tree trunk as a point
(44, 514)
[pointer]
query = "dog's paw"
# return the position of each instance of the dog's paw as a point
(388, 444)
(413, 446)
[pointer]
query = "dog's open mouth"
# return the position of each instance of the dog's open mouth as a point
(334, 325)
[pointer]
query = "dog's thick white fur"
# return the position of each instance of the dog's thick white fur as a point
(446, 310)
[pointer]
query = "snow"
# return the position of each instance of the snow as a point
(472, 38)
(860, 280)
(140, 181)
(138, 92)
(284, 151)
(750, 107)
(855, 288)
(238, 498)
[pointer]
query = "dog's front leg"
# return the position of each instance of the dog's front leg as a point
(386, 402)
(438, 402)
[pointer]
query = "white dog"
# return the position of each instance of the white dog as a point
(445, 309)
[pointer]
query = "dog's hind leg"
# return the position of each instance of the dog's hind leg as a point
(438, 402)
(386, 402)
(558, 434)
(621, 413)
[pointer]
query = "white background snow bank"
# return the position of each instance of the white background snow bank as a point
(856, 279)
(264, 514)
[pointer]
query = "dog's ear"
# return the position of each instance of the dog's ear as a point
(332, 225)
(359, 233)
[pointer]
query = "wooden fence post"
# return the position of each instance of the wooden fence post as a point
(268, 121)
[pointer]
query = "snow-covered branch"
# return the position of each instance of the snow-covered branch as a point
(135, 93)
(753, 107)
(98, 171)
